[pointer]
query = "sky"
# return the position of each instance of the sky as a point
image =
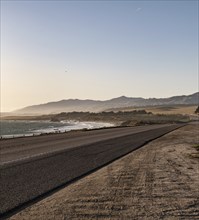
(54, 50)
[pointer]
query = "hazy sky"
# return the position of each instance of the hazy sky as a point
(53, 50)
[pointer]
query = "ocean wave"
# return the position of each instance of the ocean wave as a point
(10, 129)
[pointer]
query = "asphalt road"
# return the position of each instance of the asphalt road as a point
(13, 150)
(33, 166)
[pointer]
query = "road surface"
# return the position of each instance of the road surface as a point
(33, 166)
(157, 181)
(17, 149)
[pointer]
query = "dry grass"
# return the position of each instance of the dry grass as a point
(175, 109)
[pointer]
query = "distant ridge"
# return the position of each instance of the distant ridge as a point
(71, 105)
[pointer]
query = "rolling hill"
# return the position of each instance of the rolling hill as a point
(71, 105)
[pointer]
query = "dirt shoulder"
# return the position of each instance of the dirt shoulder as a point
(157, 181)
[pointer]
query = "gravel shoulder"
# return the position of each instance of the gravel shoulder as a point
(157, 181)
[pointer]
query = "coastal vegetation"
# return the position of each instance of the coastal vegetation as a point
(120, 118)
(197, 110)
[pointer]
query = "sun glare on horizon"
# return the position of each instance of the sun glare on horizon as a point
(54, 50)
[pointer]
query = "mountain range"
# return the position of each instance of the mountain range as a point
(77, 105)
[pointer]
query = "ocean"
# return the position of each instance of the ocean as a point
(14, 128)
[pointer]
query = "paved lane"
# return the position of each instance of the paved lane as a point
(26, 179)
(23, 148)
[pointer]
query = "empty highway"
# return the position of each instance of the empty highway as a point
(32, 166)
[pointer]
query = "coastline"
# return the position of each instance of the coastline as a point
(52, 127)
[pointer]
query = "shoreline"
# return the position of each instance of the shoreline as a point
(68, 126)
(64, 126)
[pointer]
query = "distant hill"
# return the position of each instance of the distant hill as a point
(71, 105)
